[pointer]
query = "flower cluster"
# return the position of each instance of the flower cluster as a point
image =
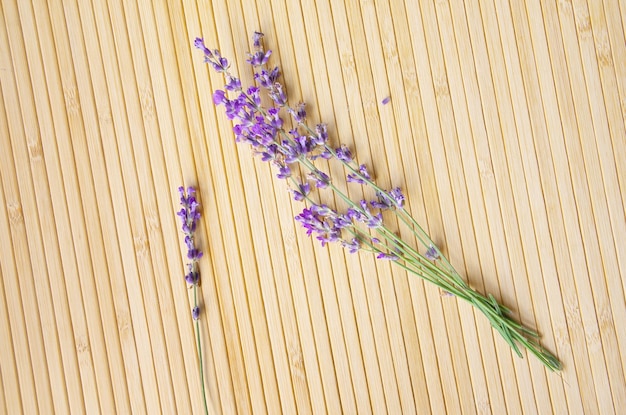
(264, 130)
(189, 216)
(359, 225)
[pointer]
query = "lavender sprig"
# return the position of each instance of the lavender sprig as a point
(360, 225)
(189, 215)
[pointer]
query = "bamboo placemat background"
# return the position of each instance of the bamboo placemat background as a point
(506, 129)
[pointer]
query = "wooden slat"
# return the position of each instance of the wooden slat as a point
(506, 128)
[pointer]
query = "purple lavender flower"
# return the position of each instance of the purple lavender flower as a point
(364, 207)
(270, 153)
(303, 190)
(344, 154)
(267, 79)
(273, 116)
(261, 128)
(319, 219)
(219, 63)
(195, 313)
(432, 253)
(310, 221)
(375, 221)
(194, 254)
(388, 200)
(331, 236)
(232, 84)
(355, 214)
(359, 177)
(199, 43)
(254, 93)
(352, 246)
(192, 278)
(397, 196)
(278, 95)
(321, 134)
(259, 57)
(219, 97)
(321, 179)
(189, 215)
(353, 178)
(390, 257)
(298, 114)
(256, 39)
(384, 202)
(283, 172)
(343, 221)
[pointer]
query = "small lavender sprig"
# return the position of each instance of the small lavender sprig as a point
(189, 215)
(360, 226)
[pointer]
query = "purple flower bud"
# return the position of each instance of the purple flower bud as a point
(330, 236)
(273, 115)
(321, 179)
(291, 150)
(195, 313)
(355, 214)
(298, 114)
(303, 190)
(194, 254)
(256, 39)
(253, 92)
(199, 43)
(390, 257)
(432, 253)
(383, 202)
(344, 154)
(352, 246)
(375, 221)
(267, 79)
(321, 136)
(259, 57)
(363, 171)
(353, 178)
(283, 172)
(232, 84)
(326, 154)
(192, 278)
(398, 197)
(363, 204)
(386, 101)
(343, 221)
(219, 63)
(278, 95)
(219, 97)
(270, 153)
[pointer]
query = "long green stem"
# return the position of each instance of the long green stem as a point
(440, 272)
(195, 301)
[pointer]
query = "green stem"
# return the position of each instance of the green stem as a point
(442, 273)
(197, 322)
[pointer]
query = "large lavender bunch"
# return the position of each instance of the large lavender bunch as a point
(189, 215)
(359, 226)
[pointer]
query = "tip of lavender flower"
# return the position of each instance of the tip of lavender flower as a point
(386, 101)
(195, 313)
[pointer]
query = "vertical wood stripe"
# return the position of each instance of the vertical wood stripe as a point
(506, 128)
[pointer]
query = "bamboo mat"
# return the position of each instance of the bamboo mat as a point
(506, 129)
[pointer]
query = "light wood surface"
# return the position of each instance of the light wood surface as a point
(506, 128)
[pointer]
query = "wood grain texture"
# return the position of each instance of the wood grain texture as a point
(506, 128)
